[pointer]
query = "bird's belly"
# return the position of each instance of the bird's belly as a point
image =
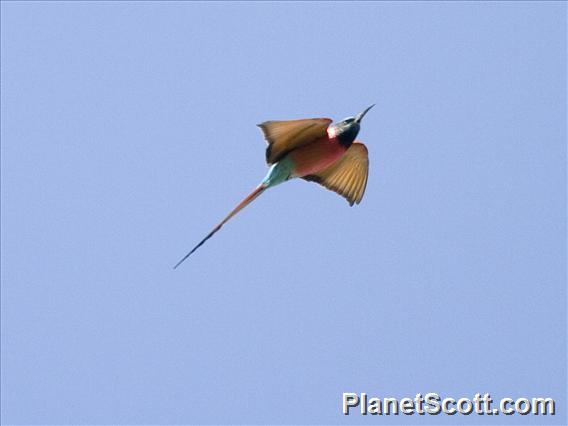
(316, 157)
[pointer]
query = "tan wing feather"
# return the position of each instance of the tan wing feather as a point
(348, 176)
(285, 136)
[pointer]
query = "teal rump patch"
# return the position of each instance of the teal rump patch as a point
(279, 172)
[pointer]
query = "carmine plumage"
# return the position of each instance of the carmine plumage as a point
(313, 149)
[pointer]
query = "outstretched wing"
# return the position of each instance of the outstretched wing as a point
(284, 136)
(347, 176)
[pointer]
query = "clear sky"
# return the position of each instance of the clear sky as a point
(128, 131)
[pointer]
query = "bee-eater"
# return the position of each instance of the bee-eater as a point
(315, 150)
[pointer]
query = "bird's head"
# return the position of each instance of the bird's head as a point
(346, 130)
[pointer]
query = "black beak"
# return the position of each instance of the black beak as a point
(362, 114)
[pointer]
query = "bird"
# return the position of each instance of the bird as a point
(312, 149)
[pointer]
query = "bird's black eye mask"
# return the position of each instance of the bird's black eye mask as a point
(347, 132)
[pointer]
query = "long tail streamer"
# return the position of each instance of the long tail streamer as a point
(249, 199)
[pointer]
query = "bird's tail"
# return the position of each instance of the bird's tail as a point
(249, 199)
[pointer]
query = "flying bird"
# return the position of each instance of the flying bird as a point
(313, 149)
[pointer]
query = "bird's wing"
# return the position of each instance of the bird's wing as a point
(284, 136)
(347, 176)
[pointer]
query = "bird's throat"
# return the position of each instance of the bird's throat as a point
(346, 138)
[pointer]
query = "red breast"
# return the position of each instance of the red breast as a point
(317, 156)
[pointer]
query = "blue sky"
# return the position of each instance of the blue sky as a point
(128, 131)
